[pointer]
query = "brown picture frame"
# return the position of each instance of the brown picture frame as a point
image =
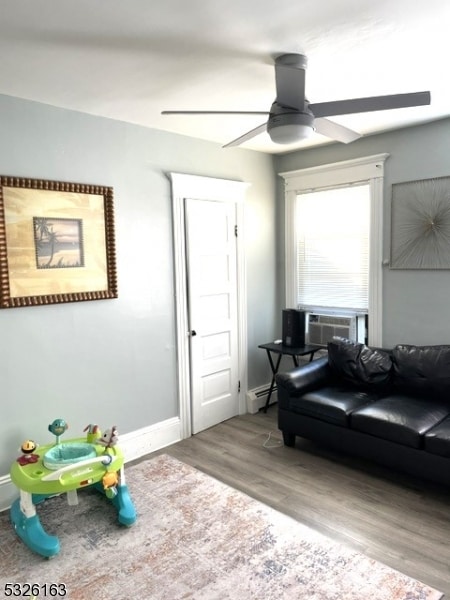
(57, 242)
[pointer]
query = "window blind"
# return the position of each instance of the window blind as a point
(332, 229)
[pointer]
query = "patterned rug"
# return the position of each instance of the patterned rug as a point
(195, 538)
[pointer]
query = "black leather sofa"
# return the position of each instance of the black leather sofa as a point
(389, 406)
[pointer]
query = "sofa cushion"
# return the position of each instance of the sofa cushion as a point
(437, 439)
(358, 364)
(422, 370)
(331, 403)
(401, 419)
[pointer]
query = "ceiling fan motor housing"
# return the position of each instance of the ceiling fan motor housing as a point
(290, 127)
(297, 61)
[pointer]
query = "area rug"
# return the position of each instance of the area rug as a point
(195, 538)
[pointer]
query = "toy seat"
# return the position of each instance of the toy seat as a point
(62, 455)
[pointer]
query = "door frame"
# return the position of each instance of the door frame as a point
(220, 190)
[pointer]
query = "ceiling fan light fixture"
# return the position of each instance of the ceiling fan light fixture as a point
(290, 128)
(292, 119)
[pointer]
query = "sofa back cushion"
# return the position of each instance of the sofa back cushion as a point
(358, 364)
(422, 370)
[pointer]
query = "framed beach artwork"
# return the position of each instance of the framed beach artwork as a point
(57, 242)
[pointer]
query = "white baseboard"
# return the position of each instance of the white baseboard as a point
(8, 492)
(134, 445)
(149, 439)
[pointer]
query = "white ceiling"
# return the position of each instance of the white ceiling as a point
(129, 60)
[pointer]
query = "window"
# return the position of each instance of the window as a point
(332, 231)
(311, 187)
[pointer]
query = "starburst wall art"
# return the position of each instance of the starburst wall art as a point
(420, 224)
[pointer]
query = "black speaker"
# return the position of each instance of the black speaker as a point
(294, 327)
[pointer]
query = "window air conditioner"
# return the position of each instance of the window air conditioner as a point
(322, 328)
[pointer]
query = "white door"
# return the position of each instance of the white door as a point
(212, 311)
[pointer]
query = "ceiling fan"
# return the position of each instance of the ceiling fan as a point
(292, 118)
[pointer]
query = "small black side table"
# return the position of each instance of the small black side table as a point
(281, 349)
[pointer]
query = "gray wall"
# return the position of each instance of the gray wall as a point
(416, 306)
(114, 361)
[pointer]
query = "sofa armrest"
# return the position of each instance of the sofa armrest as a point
(302, 379)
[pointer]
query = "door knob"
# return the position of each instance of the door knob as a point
(192, 333)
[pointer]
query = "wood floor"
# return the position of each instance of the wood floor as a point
(398, 520)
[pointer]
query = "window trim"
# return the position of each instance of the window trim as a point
(366, 169)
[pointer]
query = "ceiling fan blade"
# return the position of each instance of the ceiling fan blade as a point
(247, 136)
(290, 80)
(335, 131)
(374, 103)
(214, 112)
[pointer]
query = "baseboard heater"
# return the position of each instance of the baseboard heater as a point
(256, 398)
